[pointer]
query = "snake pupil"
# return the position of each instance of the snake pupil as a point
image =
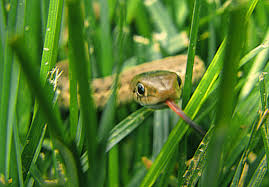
(140, 89)
(179, 81)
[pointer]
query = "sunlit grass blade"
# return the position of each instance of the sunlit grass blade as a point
(264, 128)
(258, 65)
(187, 88)
(126, 126)
(253, 53)
(197, 99)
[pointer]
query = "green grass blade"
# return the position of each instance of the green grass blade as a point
(70, 164)
(161, 18)
(106, 41)
(259, 174)
(73, 108)
(257, 67)
(11, 122)
(108, 115)
(160, 130)
(41, 93)
(78, 54)
(197, 99)
(6, 75)
(33, 29)
(238, 172)
(113, 171)
(235, 42)
(186, 92)
(32, 141)
(253, 53)
(17, 144)
(170, 40)
(126, 126)
(50, 48)
(32, 150)
(264, 128)
(198, 161)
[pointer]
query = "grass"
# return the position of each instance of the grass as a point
(104, 147)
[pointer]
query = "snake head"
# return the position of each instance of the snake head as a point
(152, 89)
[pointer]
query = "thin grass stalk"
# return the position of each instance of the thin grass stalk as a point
(186, 92)
(17, 145)
(73, 108)
(253, 53)
(108, 116)
(263, 95)
(32, 31)
(5, 131)
(106, 41)
(113, 169)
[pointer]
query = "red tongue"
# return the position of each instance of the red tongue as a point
(179, 112)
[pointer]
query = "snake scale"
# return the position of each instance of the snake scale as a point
(102, 86)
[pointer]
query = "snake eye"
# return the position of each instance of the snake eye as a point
(179, 81)
(140, 89)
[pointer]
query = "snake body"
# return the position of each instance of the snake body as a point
(102, 86)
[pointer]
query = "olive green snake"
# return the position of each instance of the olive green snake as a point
(101, 87)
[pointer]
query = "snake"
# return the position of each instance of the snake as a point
(159, 87)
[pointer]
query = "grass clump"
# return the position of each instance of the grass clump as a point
(42, 145)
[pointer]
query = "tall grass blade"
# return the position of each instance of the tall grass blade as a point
(106, 41)
(6, 91)
(79, 54)
(186, 92)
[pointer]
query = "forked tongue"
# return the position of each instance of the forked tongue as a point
(179, 112)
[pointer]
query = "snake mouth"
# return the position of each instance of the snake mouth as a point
(160, 105)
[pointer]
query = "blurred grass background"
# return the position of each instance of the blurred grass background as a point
(42, 146)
